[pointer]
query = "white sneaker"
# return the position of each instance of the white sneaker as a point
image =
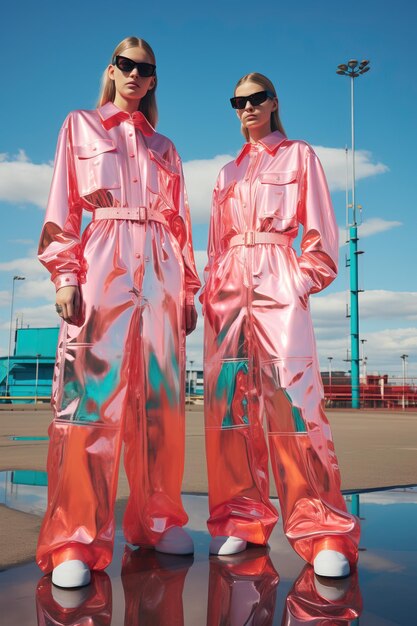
(175, 540)
(73, 573)
(227, 545)
(332, 564)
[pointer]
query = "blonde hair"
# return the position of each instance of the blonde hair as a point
(147, 104)
(266, 84)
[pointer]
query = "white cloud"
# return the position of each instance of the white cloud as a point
(373, 226)
(334, 164)
(376, 225)
(200, 176)
(374, 304)
(24, 182)
(380, 303)
(395, 341)
(383, 350)
(39, 316)
(26, 266)
(34, 289)
(4, 298)
(384, 345)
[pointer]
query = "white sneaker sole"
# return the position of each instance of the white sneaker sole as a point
(224, 546)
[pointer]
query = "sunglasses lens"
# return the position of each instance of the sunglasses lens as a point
(238, 103)
(258, 98)
(125, 65)
(145, 69)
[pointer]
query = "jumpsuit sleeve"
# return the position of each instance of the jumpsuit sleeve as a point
(59, 247)
(320, 240)
(192, 280)
(213, 238)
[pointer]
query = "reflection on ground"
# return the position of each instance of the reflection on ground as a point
(262, 586)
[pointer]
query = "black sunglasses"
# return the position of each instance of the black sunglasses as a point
(127, 65)
(239, 102)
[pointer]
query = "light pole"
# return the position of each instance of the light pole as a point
(191, 373)
(330, 359)
(363, 360)
(404, 357)
(10, 333)
(189, 381)
(353, 70)
(37, 378)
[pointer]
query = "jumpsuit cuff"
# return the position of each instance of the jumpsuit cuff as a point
(66, 280)
(189, 298)
(309, 281)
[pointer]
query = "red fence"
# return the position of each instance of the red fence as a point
(374, 392)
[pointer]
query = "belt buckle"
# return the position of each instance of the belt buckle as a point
(249, 238)
(143, 214)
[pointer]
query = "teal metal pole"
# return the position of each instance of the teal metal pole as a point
(350, 70)
(354, 316)
(354, 289)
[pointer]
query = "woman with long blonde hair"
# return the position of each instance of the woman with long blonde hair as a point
(260, 354)
(124, 291)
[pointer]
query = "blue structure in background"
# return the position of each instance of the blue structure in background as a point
(31, 365)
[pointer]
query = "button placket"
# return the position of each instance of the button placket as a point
(253, 164)
(133, 164)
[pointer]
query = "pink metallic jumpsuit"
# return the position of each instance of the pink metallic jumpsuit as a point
(119, 372)
(260, 354)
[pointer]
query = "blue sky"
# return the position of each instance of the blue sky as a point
(52, 57)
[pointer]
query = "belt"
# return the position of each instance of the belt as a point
(138, 214)
(253, 237)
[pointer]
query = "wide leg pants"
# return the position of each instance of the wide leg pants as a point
(119, 378)
(263, 389)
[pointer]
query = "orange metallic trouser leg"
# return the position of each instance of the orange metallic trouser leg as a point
(304, 462)
(118, 376)
(247, 377)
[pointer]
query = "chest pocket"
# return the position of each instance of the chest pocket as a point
(97, 166)
(163, 181)
(277, 196)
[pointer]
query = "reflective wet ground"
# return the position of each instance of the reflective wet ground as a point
(257, 587)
